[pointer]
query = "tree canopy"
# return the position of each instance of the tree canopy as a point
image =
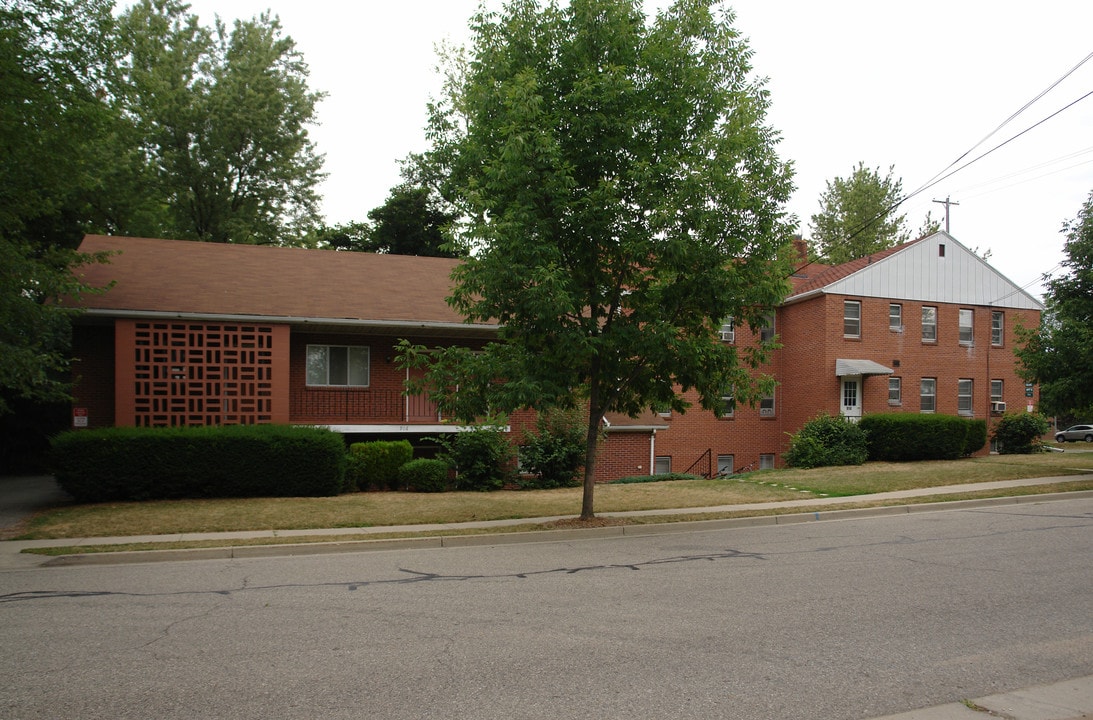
(221, 118)
(1059, 354)
(411, 222)
(144, 124)
(623, 193)
(858, 216)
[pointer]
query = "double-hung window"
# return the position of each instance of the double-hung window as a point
(929, 323)
(928, 395)
(895, 391)
(766, 331)
(998, 324)
(728, 330)
(766, 406)
(337, 365)
(964, 396)
(996, 391)
(895, 317)
(728, 406)
(967, 328)
(851, 319)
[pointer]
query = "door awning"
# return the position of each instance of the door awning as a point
(860, 367)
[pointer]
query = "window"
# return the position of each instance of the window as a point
(337, 365)
(895, 317)
(967, 334)
(929, 324)
(662, 465)
(725, 464)
(766, 406)
(851, 318)
(766, 331)
(766, 461)
(728, 406)
(928, 395)
(998, 324)
(997, 391)
(728, 330)
(895, 391)
(964, 396)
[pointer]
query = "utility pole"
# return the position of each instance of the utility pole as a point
(947, 202)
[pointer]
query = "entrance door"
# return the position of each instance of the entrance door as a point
(852, 398)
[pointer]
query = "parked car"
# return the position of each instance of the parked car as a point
(1075, 432)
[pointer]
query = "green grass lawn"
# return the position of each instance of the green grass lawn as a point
(399, 509)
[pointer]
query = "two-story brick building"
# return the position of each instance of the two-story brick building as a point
(202, 333)
(927, 326)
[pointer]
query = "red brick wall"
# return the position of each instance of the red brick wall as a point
(623, 454)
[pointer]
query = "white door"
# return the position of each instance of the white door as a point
(852, 398)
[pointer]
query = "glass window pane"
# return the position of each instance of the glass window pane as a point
(339, 366)
(316, 364)
(358, 366)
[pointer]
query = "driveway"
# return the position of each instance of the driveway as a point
(22, 496)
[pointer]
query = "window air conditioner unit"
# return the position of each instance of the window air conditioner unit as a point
(998, 407)
(727, 335)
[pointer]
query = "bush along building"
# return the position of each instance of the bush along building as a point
(212, 334)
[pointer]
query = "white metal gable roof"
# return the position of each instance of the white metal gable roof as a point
(935, 269)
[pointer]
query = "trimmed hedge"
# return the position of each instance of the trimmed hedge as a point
(112, 464)
(904, 437)
(424, 475)
(374, 465)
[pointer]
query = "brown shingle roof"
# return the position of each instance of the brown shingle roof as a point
(177, 276)
(838, 272)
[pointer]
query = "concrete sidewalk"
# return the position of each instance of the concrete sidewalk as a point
(362, 539)
(1067, 700)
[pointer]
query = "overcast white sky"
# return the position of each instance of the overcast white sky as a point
(910, 85)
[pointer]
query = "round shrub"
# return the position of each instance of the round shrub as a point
(482, 457)
(1020, 433)
(553, 454)
(424, 475)
(826, 440)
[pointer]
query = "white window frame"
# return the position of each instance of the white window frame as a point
(728, 406)
(895, 317)
(998, 390)
(662, 465)
(895, 391)
(726, 465)
(998, 328)
(361, 379)
(767, 330)
(965, 392)
(851, 323)
(967, 326)
(727, 332)
(767, 406)
(927, 395)
(929, 320)
(766, 461)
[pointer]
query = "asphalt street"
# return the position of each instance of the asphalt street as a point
(839, 620)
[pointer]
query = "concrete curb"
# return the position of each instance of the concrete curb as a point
(286, 549)
(1066, 700)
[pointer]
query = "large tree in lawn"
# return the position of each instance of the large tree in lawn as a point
(1059, 354)
(623, 195)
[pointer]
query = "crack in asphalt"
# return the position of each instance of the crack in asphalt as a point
(410, 577)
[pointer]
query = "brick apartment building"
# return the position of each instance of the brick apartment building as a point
(205, 334)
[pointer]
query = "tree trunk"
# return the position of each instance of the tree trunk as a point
(595, 418)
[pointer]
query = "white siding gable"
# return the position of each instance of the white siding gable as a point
(921, 273)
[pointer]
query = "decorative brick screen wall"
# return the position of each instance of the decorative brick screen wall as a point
(193, 373)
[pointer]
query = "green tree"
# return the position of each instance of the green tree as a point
(858, 216)
(623, 194)
(411, 222)
(1059, 354)
(353, 236)
(222, 119)
(56, 63)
